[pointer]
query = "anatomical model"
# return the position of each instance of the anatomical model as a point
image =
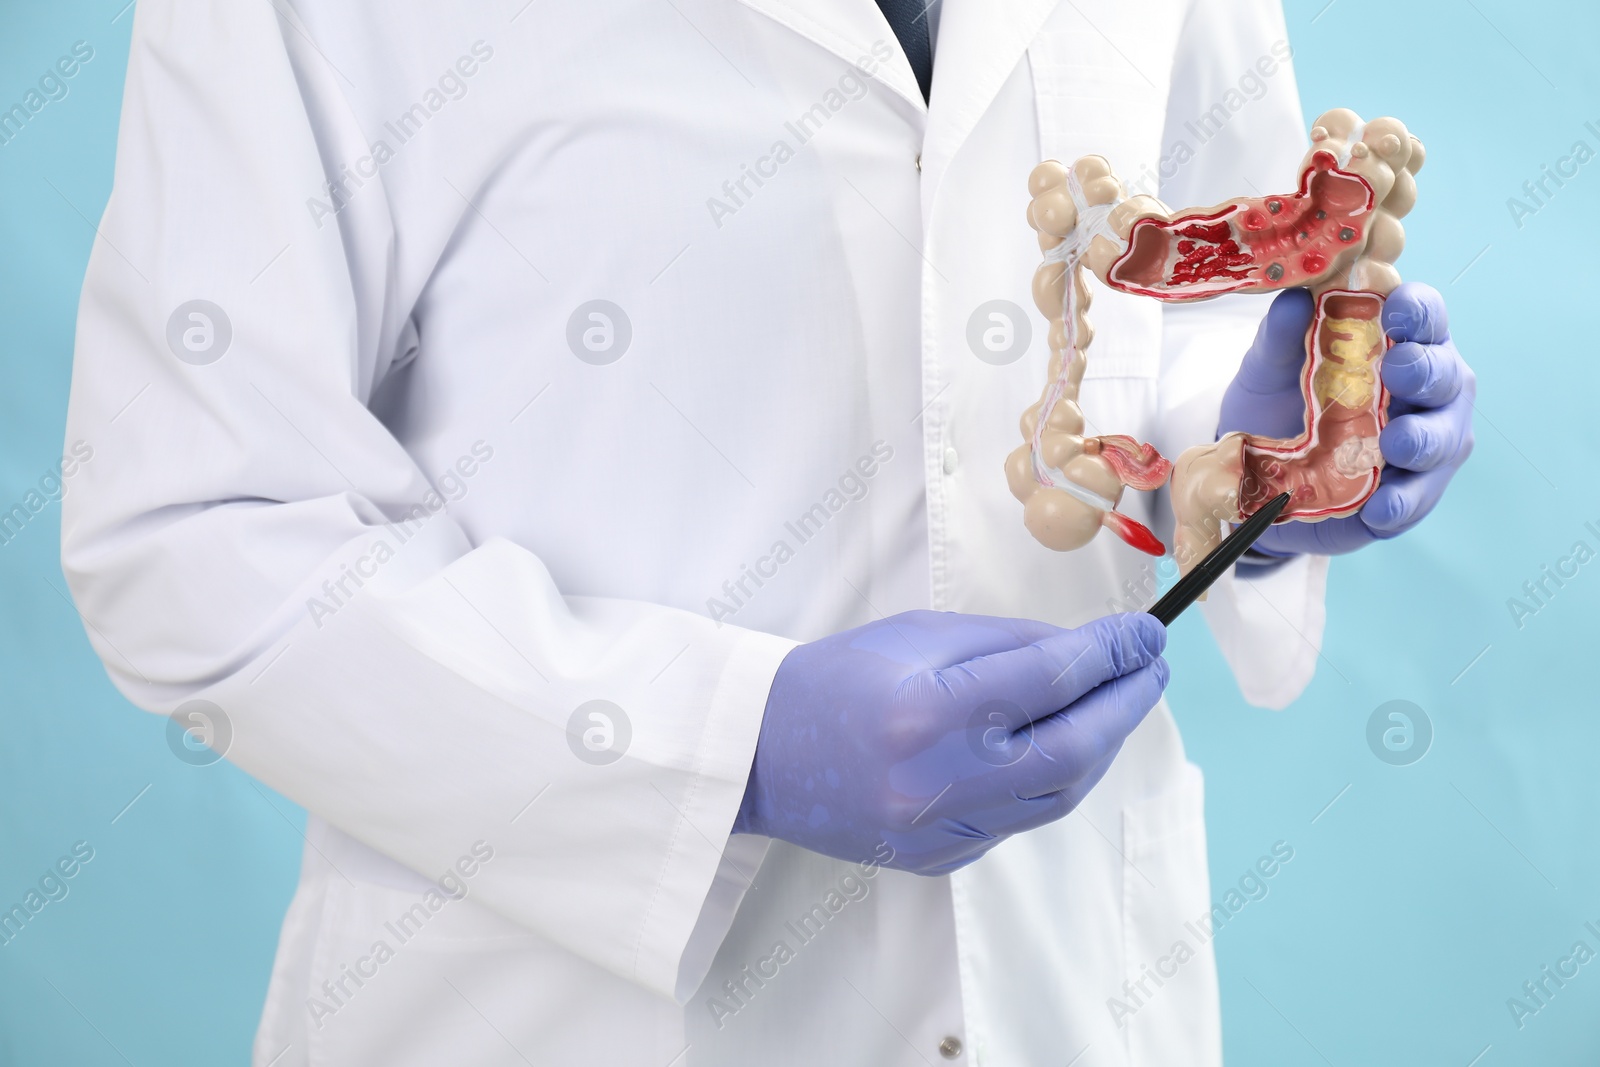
(1338, 235)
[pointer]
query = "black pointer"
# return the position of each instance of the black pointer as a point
(1225, 555)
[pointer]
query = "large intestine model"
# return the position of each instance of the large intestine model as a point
(1338, 234)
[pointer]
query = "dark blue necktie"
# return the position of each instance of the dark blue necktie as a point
(909, 20)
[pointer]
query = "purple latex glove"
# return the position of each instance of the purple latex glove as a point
(1429, 435)
(942, 734)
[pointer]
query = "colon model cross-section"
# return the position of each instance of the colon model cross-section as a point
(1337, 234)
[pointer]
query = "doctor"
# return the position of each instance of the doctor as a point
(520, 429)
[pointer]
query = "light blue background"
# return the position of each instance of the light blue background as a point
(1415, 905)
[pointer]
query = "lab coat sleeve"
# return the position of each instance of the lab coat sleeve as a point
(1234, 128)
(248, 534)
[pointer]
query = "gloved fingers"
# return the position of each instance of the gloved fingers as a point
(963, 843)
(1031, 812)
(1426, 375)
(1067, 747)
(1264, 396)
(1018, 814)
(1275, 359)
(1425, 440)
(997, 807)
(939, 846)
(951, 866)
(1040, 679)
(943, 639)
(998, 633)
(1404, 499)
(956, 828)
(1416, 312)
(932, 640)
(925, 855)
(1330, 537)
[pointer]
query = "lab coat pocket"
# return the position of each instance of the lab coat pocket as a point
(1168, 1005)
(410, 971)
(379, 972)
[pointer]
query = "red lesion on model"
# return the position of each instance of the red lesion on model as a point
(1133, 532)
(1267, 242)
(1209, 250)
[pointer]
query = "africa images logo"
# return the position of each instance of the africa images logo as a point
(1399, 733)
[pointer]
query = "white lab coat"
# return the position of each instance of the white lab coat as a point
(405, 344)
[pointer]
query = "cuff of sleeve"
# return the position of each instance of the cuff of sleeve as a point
(702, 886)
(741, 858)
(1268, 624)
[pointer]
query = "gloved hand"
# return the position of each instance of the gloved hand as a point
(941, 734)
(1429, 435)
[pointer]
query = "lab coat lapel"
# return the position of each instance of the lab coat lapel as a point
(980, 43)
(848, 29)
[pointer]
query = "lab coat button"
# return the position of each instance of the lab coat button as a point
(950, 1048)
(919, 162)
(952, 460)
